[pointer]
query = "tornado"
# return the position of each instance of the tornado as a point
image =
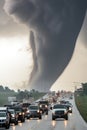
(54, 27)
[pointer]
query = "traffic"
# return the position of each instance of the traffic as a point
(58, 108)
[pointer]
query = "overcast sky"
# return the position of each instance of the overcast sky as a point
(16, 61)
(15, 53)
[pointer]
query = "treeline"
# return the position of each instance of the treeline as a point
(84, 87)
(5, 89)
(6, 92)
(29, 94)
(83, 90)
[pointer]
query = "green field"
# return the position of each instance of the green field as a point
(81, 102)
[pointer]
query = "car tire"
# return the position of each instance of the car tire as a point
(23, 120)
(46, 112)
(28, 117)
(16, 122)
(7, 126)
(40, 117)
(66, 117)
(53, 118)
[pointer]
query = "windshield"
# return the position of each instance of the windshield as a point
(33, 107)
(3, 114)
(12, 112)
(58, 106)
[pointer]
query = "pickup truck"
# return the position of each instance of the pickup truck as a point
(59, 111)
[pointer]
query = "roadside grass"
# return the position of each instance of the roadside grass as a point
(81, 103)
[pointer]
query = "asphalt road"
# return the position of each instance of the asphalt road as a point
(75, 122)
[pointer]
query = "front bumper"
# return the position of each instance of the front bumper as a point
(59, 114)
(3, 123)
(33, 114)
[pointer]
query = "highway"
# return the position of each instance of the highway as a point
(75, 122)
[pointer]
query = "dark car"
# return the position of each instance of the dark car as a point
(69, 107)
(13, 116)
(59, 111)
(44, 106)
(34, 112)
(25, 107)
(21, 114)
(63, 102)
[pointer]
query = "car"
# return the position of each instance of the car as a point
(21, 114)
(63, 102)
(44, 106)
(14, 116)
(69, 107)
(34, 112)
(59, 111)
(71, 97)
(25, 107)
(4, 119)
(4, 109)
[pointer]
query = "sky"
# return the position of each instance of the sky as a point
(15, 53)
(29, 54)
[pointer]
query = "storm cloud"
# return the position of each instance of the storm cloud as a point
(54, 28)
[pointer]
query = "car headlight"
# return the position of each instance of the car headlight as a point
(23, 113)
(38, 111)
(46, 106)
(70, 108)
(41, 112)
(13, 115)
(40, 105)
(28, 111)
(20, 113)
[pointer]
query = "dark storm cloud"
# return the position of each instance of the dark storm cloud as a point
(55, 26)
(8, 27)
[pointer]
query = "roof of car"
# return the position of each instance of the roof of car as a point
(59, 106)
(3, 108)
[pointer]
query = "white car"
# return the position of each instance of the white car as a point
(4, 120)
(59, 111)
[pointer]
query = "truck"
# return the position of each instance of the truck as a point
(44, 106)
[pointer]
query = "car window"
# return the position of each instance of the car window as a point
(33, 107)
(2, 114)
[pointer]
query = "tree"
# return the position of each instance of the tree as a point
(85, 88)
(7, 89)
(1, 88)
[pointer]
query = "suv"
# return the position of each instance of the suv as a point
(59, 111)
(44, 106)
(21, 114)
(4, 119)
(13, 115)
(34, 112)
